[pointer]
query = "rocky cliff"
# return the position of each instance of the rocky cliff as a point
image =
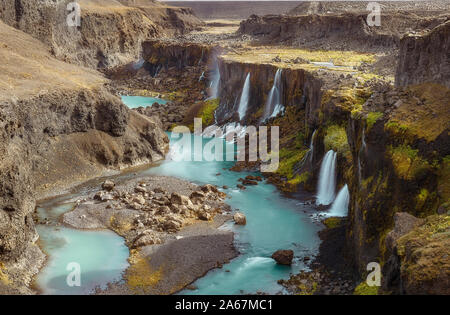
(425, 57)
(58, 126)
(392, 146)
(110, 34)
(342, 32)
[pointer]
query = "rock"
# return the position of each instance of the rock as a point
(162, 210)
(159, 190)
(249, 182)
(241, 187)
(146, 238)
(139, 199)
(102, 196)
(178, 199)
(283, 256)
(239, 218)
(197, 194)
(172, 225)
(108, 185)
(404, 222)
(140, 189)
(209, 188)
(202, 214)
(225, 187)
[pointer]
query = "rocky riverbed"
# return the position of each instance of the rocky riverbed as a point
(170, 226)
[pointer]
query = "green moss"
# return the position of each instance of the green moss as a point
(288, 159)
(407, 162)
(207, 111)
(364, 289)
(372, 118)
(299, 179)
(336, 139)
(332, 222)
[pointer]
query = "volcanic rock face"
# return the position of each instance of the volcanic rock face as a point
(425, 58)
(298, 86)
(111, 32)
(419, 263)
(332, 7)
(56, 129)
(343, 32)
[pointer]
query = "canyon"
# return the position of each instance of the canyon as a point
(364, 129)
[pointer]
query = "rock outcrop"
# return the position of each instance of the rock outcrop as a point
(342, 32)
(111, 32)
(283, 256)
(58, 125)
(419, 261)
(424, 57)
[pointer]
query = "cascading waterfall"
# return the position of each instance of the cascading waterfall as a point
(243, 103)
(273, 104)
(310, 153)
(327, 179)
(339, 208)
(215, 82)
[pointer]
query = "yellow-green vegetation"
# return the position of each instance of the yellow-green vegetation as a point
(424, 256)
(263, 54)
(140, 276)
(336, 139)
(307, 289)
(408, 164)
(207, 111)
(364, 289)
(299, 179)
(372, 118)
(4, 277)
(424, 113)
(332, 222)
(444, 179)
(349, 99)
(422, 197)
(288, 159)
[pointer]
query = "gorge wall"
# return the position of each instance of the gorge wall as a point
(341, 32)
(392, 145)
(425, 57)
(57, 130)
(111, 32)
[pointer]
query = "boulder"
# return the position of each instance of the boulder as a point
(283, 256)
(178, 199)
(139, 199)
(145, 239)
(108, 185)
(202, 214)
(239, 218)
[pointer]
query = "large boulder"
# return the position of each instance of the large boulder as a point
(239, 218)
(283, 256)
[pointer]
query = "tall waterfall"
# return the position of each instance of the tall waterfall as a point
(273, 104)
(215, 81)
(339, 208)
(327, 179)
(243, 103)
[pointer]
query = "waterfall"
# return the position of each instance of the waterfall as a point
(243, 103)
(327, 179)
(202, 76)
(215, 81)
(339, 208)
(310, 153)
(273, 104)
